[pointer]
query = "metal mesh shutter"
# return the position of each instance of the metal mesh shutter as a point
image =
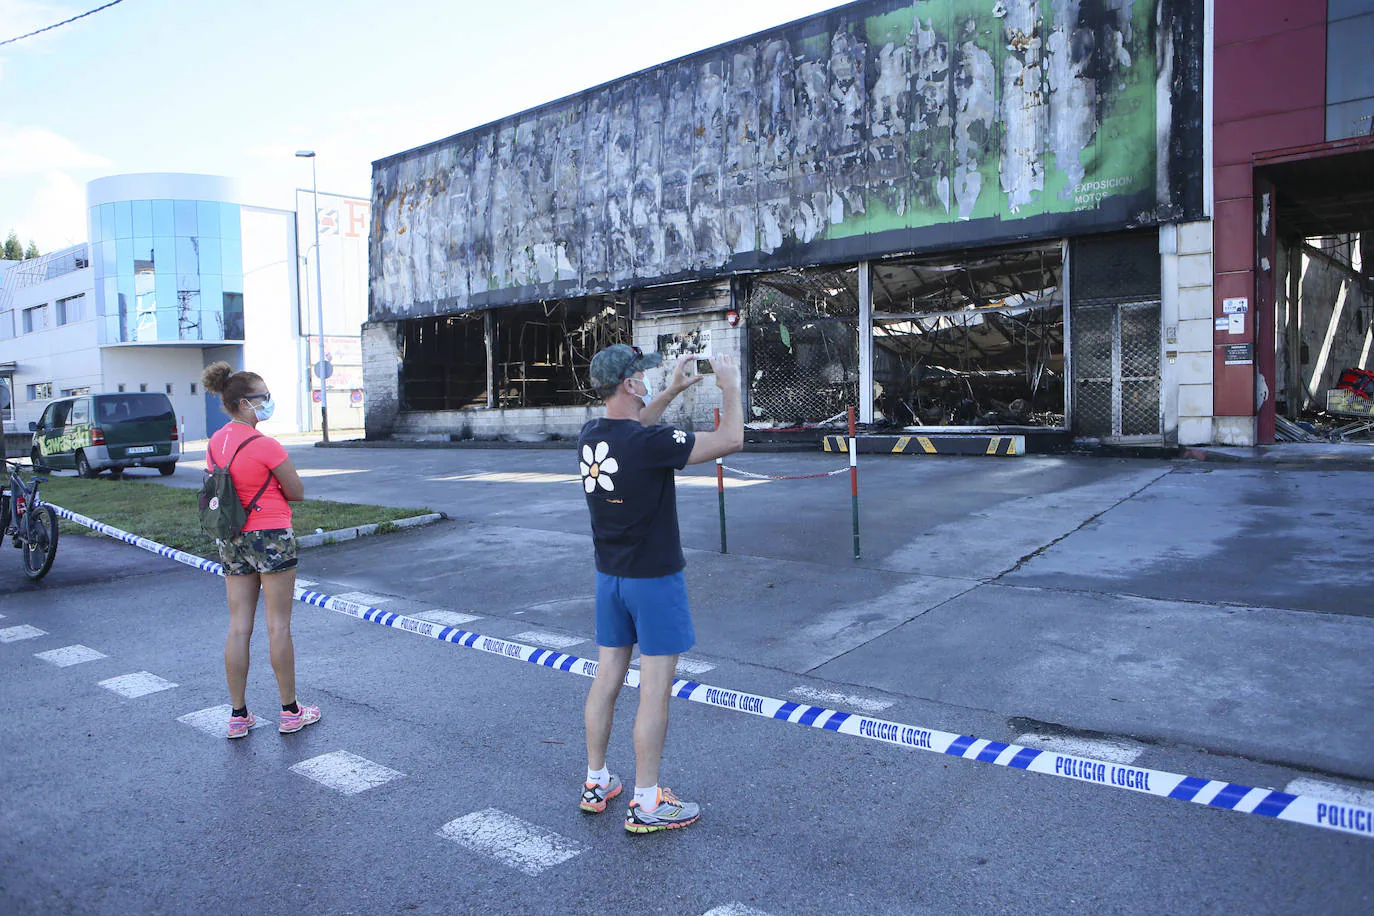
(1093, 335)
(1139, 341)
(1116, 370)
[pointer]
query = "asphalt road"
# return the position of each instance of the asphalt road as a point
(1213, 622)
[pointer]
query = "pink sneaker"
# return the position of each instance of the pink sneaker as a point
(239, 725)
(295, 721)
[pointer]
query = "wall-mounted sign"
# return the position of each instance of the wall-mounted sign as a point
(1235, 306)
(1239, 354)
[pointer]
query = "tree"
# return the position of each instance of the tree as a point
(31, 251)
(12, 250)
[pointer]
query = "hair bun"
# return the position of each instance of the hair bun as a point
(216, 376)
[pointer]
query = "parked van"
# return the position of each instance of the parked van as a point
(97, 432)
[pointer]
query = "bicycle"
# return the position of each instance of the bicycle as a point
(30, 522)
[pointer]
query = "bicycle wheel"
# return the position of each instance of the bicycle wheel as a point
(40, 541)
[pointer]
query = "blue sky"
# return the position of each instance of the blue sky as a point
(235, 87)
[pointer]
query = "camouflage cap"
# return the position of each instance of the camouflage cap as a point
(616, 363)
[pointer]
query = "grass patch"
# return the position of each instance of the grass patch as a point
(170, 515)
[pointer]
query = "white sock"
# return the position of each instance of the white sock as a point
(647, 798)
(601, 777)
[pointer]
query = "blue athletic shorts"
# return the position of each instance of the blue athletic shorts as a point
(651, 612)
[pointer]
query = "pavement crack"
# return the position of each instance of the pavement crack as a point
(1085, 523)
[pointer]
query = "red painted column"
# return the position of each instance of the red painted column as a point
(1269, 93)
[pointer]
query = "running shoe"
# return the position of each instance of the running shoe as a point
(239, 725)
(295, 721)
(668, 814)
(594, 797)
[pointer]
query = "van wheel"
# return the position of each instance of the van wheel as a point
(83, 467)
(167, 470)
(35, 459)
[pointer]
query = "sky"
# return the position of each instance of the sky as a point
(235, 87)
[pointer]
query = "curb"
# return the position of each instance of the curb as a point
(349, 534)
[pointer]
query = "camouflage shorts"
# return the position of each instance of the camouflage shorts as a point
(271, 550)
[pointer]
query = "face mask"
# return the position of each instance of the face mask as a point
(648, 394)
(265, 410)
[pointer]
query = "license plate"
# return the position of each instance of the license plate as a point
(141, 450)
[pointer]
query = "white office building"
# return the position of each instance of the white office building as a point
(180, 271)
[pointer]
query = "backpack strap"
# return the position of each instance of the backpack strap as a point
(211, 452)
(253, 504)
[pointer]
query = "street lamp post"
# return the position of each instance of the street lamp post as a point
(319, 288)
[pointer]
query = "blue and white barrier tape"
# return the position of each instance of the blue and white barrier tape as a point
(1297, 809)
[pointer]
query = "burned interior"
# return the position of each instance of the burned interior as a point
(533, 355)
(976, 340)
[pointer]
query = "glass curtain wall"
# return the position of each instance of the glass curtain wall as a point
(168, 270)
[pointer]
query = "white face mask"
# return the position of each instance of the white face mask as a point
(265, 410)
(648, 394)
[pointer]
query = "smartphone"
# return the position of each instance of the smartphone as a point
(704, 367)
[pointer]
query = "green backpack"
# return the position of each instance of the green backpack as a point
(221, 514)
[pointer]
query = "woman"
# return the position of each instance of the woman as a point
(263, 556)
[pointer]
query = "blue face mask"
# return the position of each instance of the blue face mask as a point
(648, 394)
(265, 410)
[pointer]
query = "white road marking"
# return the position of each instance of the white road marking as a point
(510, 841)
(1111, 751)
(328, 472)
(23, 631)
(215, 720)
(446, 618)
(834, 698)
(1331, 791)
(364, 598)
(686, 664)
(345, 772)
(305, 583)
(70, 655)
(683, 480)
(734, 909)
(552, 640)
(138, 684)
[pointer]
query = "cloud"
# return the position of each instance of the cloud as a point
(38, 151)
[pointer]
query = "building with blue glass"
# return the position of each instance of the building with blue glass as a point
(168, 257)
(180, 271)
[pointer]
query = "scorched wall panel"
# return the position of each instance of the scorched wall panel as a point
(879, 127)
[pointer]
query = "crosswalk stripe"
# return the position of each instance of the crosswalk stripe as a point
(1096, 749)
(215, 720)
(23, 631)
(70, 655)
(346, 773)
(367, 598)
(447, 618)
(1331, 792)
(552, 640)
(511, 841)
(867, 705)
(138, 684)
(734, 909)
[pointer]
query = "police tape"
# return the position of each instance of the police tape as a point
(1298, 809)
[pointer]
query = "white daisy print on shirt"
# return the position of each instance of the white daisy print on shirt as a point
(679, 436)
(597, 468)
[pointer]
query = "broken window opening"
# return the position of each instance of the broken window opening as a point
(803, 346)
(544, 350)
(444, 362)
(974, 341)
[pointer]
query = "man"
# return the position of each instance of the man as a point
(627, 466)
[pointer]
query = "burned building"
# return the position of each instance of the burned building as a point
(949, 214)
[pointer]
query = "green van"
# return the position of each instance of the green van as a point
(99, 432)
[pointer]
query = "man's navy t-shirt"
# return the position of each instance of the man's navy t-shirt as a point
(627, 474)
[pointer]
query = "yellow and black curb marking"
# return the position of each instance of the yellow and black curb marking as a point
(999, 446)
